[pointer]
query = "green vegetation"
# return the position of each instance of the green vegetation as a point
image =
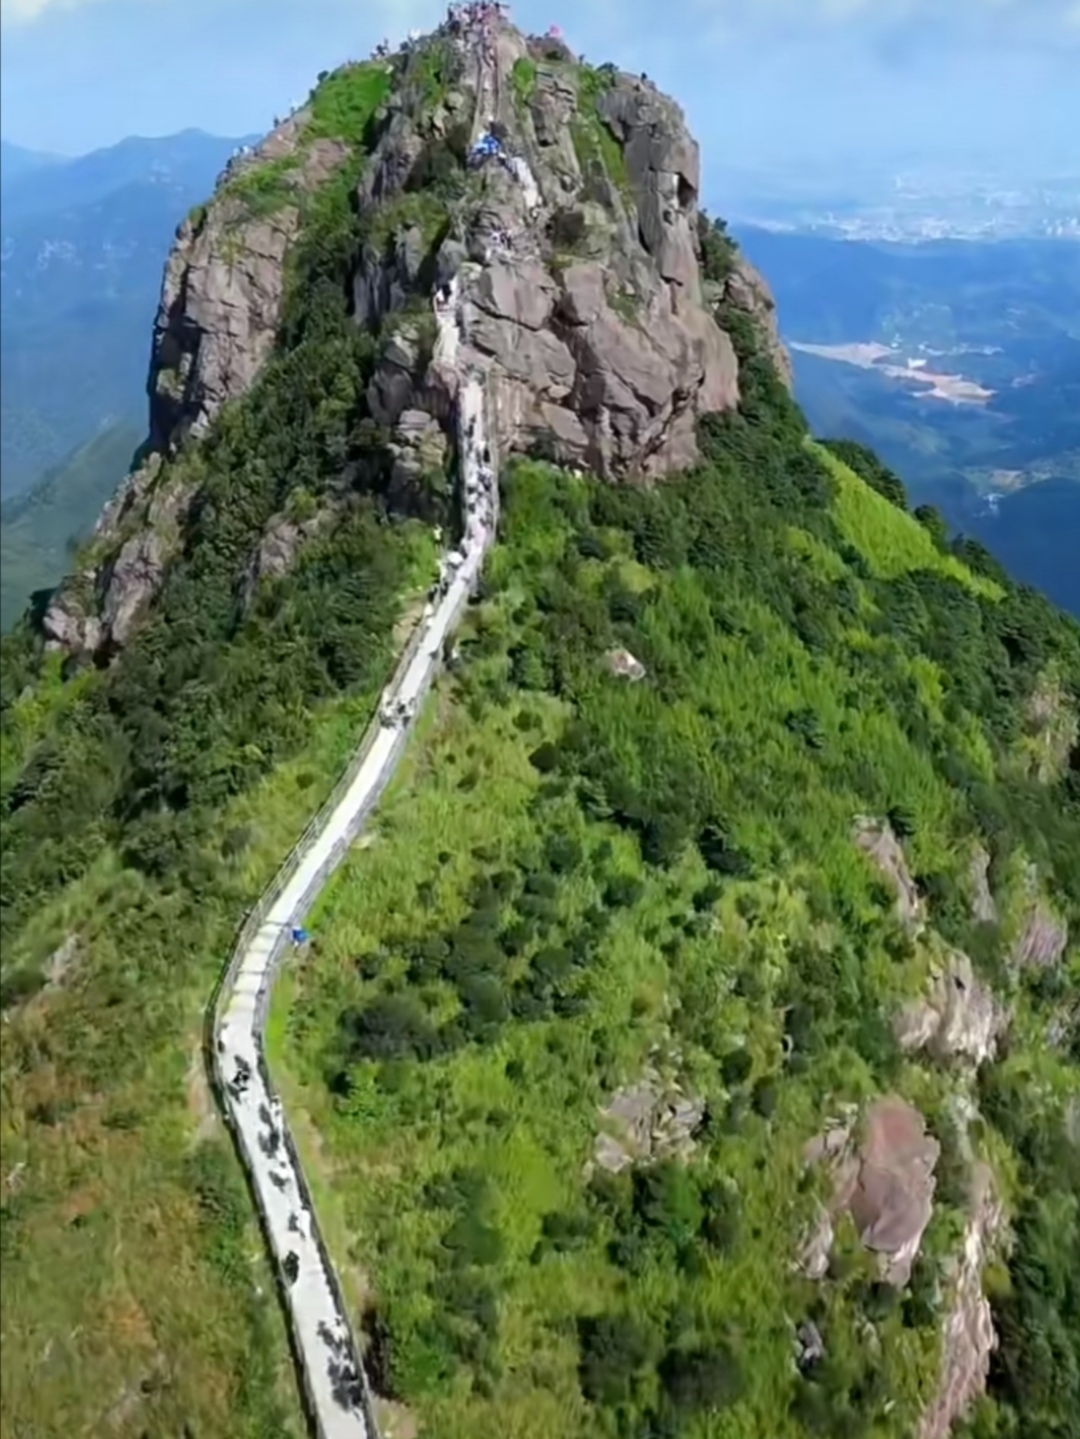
(595, 143)
(626, 305)
(422, 210)
(718, 249)
(523, 79)
(577, 877)
(264, 187)
(434, 68)
(342, 107)
(344, 102)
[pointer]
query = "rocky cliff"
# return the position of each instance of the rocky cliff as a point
(595, 294)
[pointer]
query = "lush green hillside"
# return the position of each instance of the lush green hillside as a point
(579, 877)
(576, 878)
(39, 529)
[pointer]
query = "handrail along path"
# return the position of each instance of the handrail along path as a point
(328, 1353)
(329, 1357)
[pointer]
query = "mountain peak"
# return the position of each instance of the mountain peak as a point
(561, 202)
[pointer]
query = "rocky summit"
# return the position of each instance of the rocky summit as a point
(605, 867)
(595, 291)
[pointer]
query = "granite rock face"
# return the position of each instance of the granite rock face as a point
(883, 1177)
(224, 285)
(878, 842)
(969, 1338)
(216, 326)
(576, 267)
(959, 1018)
(592, 325)
(648, 1121)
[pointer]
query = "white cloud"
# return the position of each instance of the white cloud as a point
(21, 12)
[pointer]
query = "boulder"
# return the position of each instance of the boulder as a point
(419, 449)
(876, 839)
(647, 1121)
(960, 1017)
(623, 665)
(883, 1178)
(891, 1199)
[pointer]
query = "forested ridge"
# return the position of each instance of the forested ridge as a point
(578, 879)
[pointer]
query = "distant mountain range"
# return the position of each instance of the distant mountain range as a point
(16, 163)
(39, 528)
(959, 362)
(83, 245)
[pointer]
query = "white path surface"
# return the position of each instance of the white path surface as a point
(527, 180)
(447, 335)
(326, 1345)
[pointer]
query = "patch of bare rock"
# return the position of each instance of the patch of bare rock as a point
(877, 840)
(649, 1120)
(984, 908)
(959, 1018)
(623, 665)
(1042, 937)
(882, 1173)
(969, 1340)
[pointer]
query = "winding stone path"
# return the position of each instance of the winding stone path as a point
(329, 1355)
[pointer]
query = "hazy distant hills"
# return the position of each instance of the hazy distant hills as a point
(16, 163)
(39, 527)
(995, 316)
(83, 245)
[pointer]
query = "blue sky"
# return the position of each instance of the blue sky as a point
(761, 80)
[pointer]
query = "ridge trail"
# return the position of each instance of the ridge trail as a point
(328, 1354)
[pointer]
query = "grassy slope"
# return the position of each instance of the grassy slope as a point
(503, 1123)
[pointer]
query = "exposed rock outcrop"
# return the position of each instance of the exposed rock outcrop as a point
(576, 266)
(217, 322)
(877, 840)
(884, 1178)
(984, 908)
(592, 322)
(960, 1017)
(279, 547)
(969, 1339)
(1042, 936)
(647, 1121)
(747, 290)
(224, 285)
(96, 610)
